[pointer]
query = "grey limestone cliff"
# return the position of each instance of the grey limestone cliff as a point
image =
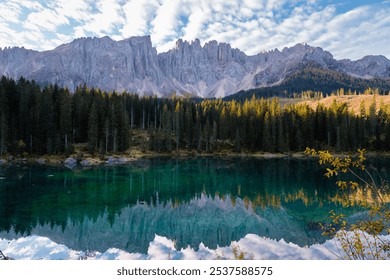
(213, 70)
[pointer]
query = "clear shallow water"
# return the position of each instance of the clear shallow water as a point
(214, 201)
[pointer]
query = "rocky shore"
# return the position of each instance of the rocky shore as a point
(87, 160)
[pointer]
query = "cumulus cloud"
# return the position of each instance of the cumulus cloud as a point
(138, 14)
(9, 12)
(199, 15)
(168, 21)
(45, 20)
(359, 32)
(73, 9)
(106, 17)
(251, 25)
(39, 24)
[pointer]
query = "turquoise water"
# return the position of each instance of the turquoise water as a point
(214, 201)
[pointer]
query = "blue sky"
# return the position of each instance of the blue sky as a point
(348, 29)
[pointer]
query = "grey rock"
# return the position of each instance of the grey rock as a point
(89, 162)
(85, 162)
(70, 162)
(41, 161)
(116, 161)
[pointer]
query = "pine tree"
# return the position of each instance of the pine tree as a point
(224, 123)
(93, 129)
(198, 135)
(122, 128)
(206, 135)
(188, 127)
(214, 137)
(178, 115)
(82, 101)
(372, 116)
(237, 141)
(386, 142)
(267, 140)
(48, 121)
(167, 128)
(3, 119)
(65, 118)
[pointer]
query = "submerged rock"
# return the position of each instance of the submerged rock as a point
(117, 161)
(89, 162)
(2, 161)
(70, 162)
(85, 162)
(41, 161)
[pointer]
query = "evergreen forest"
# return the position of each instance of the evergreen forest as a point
(52, 120)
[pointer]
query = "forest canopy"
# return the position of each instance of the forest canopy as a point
(52, 120)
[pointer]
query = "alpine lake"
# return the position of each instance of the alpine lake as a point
(206, 200)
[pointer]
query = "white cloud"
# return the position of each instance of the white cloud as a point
(103, 22)
(45, 20)
(251, 25)
(28, 4)
(166, 23)
(139, 14)
(274, 4)
(198, 18)
(22, 39)
(77, 10)
(254, 29)
(359, 32)
(5, 35)
(275, 24)
(253, 4)
(9, 12)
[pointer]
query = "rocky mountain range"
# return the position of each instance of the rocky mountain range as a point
(212, 70)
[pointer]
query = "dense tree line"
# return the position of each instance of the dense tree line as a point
(326, 80)
(52, 120)
(315, 79)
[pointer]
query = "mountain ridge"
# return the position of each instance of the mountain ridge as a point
(212, 70)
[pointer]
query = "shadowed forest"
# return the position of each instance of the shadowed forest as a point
(52, 120)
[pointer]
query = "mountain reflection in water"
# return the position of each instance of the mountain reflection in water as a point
(214, 201)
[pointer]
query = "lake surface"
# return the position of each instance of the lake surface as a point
(214, 201)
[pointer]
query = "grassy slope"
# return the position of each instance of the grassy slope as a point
(353, 101)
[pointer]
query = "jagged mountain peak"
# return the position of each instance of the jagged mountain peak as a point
(378, 59)
(214, 69)
(135, 40)
(300, 47)
(106, 41)
(306, 50)
(180, 44)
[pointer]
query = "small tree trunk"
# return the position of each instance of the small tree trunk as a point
(66, 141)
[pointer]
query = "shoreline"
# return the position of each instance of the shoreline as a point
(127, 158)
(88, 160)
